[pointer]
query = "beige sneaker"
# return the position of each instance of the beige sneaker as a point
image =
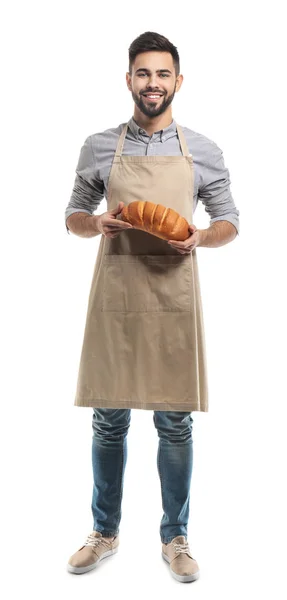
(92, 552)
(182, 566)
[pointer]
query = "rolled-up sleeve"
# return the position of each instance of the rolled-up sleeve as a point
(214, 190)
(88, 190)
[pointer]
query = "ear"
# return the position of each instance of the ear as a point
(128, 81)
(179, 81)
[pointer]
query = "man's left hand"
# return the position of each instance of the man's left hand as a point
(190, 243)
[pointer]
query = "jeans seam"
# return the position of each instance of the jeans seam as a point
(117, 514)
(160, 473)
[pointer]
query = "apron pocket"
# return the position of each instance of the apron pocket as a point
(147, 283)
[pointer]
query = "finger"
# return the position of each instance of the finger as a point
(187, 250)
(112, 235)
(117, 223)
(114, 227)
(177, 244)
(181, 251)
(117, 209)
(111, 231)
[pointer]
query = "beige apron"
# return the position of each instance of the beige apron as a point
(144, 344)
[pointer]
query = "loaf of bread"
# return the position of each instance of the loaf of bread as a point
(156, 219)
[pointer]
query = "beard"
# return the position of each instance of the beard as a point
(153, 109)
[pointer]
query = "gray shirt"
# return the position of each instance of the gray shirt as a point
(211, 177)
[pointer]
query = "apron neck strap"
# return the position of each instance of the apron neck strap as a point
(183, 144)
(182, 141)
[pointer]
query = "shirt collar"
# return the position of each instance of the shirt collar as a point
(165, 133)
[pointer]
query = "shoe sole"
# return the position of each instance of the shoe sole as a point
(80, 570)
(182, 578)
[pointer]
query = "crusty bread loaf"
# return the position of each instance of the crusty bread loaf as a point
(156, 219)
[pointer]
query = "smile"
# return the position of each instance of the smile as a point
(152, 96)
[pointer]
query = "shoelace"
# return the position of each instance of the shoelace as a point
(93, 541)
(181, 548)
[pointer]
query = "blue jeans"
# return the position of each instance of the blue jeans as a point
(174, 463)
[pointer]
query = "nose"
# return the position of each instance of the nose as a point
(153, 83)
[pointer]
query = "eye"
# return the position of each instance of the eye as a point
(161, 74)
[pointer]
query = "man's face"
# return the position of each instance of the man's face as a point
(153, 73)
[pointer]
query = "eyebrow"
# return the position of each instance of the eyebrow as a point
(158, 71)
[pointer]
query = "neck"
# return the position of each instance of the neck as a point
(152, 124)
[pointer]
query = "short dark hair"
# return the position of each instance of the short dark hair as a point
(151, 41)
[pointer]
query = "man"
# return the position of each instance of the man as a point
(144, 342)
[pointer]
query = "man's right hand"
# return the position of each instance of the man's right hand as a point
(109, 225)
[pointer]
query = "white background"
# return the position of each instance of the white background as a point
(63, 75)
